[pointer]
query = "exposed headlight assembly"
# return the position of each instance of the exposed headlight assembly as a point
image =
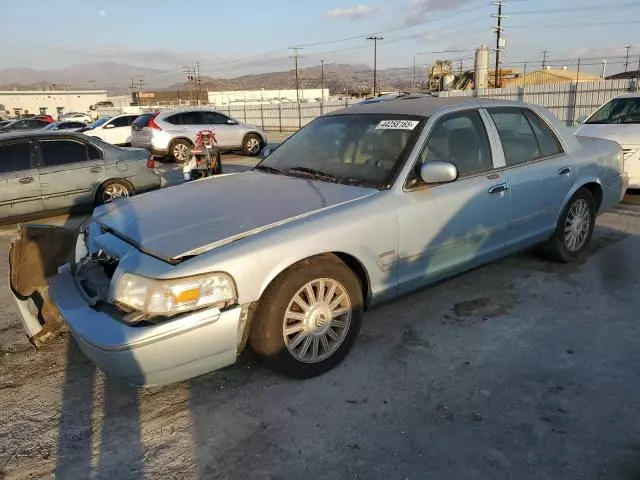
(167, 297)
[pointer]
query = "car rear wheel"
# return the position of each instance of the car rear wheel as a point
(308, 318)
(252, 144)
(179, 150)
(113, 190)
(574, 230)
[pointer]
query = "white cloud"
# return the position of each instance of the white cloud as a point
(353, 13)
(421, 8)
(102, 13)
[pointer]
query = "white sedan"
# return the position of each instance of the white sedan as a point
(114, 130)
(619, 120)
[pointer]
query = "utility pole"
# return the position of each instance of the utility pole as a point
(375, 61)
(140, 88)
(626, 62)
(499, 41)
(322, 78)
(296, 55)
(197, 81)
(190, 72)
(544, 58)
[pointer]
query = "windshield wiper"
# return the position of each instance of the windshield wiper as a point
(267, 168)
(313, 172)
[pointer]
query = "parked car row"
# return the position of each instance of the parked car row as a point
(47, 171)
(360, 206)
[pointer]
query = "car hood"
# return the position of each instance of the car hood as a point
(199, 216)
(624, 134)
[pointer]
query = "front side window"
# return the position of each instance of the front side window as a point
(62, 152)
(460, 138)
(365, 150)
(618, 110)
(15, 157)
(121, 122)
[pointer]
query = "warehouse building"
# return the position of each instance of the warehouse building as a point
(255, 97)
(49, 102)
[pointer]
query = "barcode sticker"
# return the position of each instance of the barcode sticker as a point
(397, 125)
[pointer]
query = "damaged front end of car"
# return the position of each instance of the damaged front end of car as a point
(34, 257)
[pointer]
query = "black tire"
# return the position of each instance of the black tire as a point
(267, 338)
(556, 248)
(182, 145)
(102, 194)
(249, 148)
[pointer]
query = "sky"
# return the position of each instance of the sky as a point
(231, 38)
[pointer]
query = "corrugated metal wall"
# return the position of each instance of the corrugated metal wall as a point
(568, 101)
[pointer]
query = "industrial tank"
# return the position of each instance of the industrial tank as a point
(481, 72)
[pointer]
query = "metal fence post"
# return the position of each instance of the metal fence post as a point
(280, 116)
(261, 116)
(244, 105)
(299, 116)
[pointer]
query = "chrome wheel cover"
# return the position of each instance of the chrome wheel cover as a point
(317, 320)
(577, 225)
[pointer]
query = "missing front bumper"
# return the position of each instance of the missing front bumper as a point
(34, 257)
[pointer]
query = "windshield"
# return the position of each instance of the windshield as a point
(366, 150)
(618, 110)
(99, 122)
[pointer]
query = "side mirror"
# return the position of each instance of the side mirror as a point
(438, 172)
(267, 151)
(109, 125)
(582, 118)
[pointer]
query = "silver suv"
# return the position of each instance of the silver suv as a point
(173, 132)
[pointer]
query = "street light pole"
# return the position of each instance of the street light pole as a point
(375, 60)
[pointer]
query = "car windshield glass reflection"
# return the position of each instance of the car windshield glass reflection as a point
(619, 110)
(99, 122)
(365, 150)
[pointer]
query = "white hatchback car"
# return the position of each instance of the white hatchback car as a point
(114, 130)
(618, 120)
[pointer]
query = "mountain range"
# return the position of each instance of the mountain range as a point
(118, 77)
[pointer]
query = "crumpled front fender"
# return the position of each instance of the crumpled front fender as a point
(34, 257)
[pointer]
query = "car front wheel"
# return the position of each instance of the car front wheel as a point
(309, 317)
(574, 230)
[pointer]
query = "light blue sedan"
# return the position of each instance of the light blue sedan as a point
(357, 208)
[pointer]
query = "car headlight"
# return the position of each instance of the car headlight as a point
(166, 297)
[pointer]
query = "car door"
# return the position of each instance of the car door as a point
(447, 228)
(227, 134)
(118, 130)
(20, 192)
(539, 173)
(70, 172)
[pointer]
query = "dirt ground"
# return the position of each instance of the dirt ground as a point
(522, 369)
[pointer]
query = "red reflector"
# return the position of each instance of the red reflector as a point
(151, 163)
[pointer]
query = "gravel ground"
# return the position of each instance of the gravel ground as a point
(520, 369)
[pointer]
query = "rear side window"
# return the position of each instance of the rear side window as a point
(15, 157)
(548, 142)
(94, 152)
(142, 120)
(62, 152)
(523, 135)
(37, 123)
(213, 118)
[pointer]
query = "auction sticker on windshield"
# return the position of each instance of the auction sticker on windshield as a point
(397, 125)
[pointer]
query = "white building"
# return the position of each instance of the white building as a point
(267, 96)
(49, 102)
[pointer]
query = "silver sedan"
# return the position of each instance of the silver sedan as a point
(357, 208)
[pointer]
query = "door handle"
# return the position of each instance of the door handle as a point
(26, 180)
(96, 170)
(503, 187)
(564, 171)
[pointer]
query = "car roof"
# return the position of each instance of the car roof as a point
(418, 105)
(24, 134)
(187, 109)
